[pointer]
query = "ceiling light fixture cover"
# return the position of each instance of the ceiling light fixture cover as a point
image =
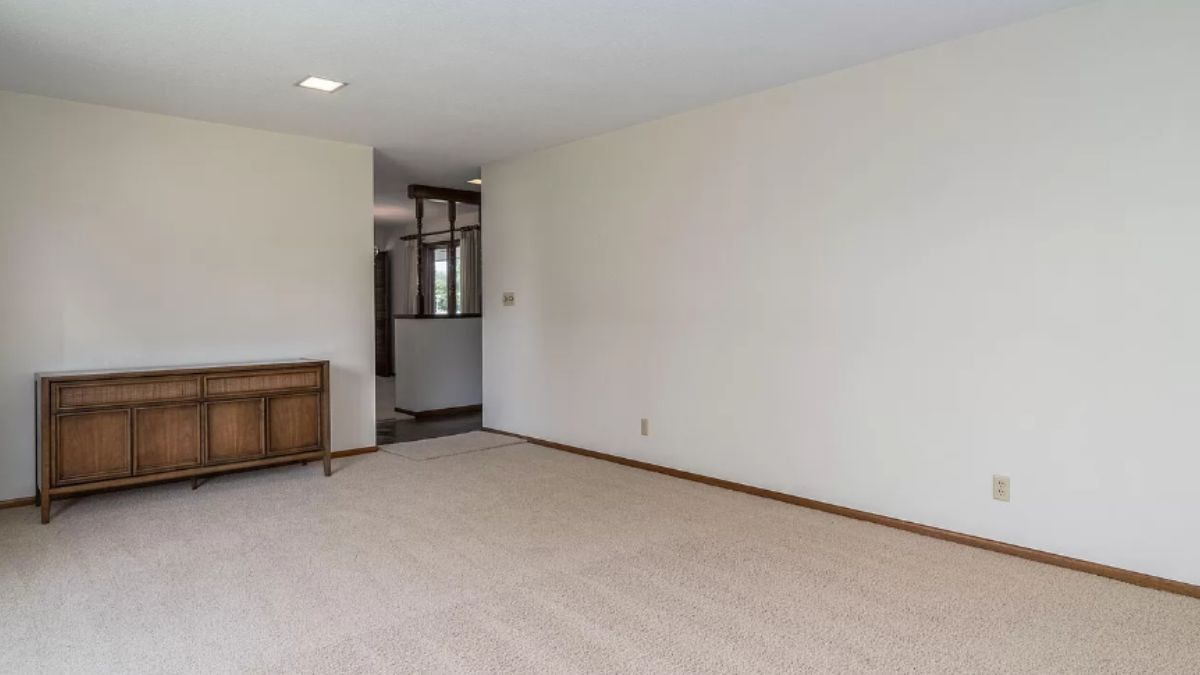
(476, 181)
(320, 84)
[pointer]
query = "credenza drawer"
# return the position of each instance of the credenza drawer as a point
(241, 384)
(97, 394)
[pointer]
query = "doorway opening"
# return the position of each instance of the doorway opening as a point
(428, 330)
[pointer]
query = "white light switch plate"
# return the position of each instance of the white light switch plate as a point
(510, 299)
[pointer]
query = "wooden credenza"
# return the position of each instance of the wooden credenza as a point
(106, 429)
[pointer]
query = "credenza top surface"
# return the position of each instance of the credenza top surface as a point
(181, 369)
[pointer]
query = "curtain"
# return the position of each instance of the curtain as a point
(427, 280)
(406, 275)
(469, 248)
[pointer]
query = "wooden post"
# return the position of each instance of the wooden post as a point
(451, 262)
(327, 446)
(44, 448)
(420, 258)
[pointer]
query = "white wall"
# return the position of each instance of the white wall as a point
(879, 287)
(439, 363)
(129, 239)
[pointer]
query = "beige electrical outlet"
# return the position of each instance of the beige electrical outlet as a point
(645, 426)
(509, 298)
(1001, 488)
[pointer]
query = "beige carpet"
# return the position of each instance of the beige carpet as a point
(527, 560)
(432, 448)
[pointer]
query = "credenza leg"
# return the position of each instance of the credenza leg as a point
(195, 482)
(328, 464)
(45, 507)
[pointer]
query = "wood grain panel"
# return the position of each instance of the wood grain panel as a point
(235, 430)
(166, 438)
(294, 423)
(253, 383)
(92, 446)
(97, 394)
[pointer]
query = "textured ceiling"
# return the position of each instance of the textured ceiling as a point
(438, 87)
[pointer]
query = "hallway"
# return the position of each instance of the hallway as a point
(396, 427)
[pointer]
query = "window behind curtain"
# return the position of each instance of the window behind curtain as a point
(441, 296)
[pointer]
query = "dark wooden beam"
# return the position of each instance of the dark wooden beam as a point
(451, 262)
(438, 233)
(445, 194)
(420, 256)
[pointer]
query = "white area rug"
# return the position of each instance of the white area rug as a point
(446, 446)
(524, 559)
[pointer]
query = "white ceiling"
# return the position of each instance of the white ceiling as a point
(441, 87)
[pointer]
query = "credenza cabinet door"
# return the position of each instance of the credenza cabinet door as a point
(92, 446)
(166, 438)
(294, 423)
(236, 430)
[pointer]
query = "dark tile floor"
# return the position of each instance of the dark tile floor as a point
(400, 431)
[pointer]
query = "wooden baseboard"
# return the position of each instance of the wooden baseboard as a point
(337, 454)
(441, 412)
(19, 501)
(1127, 576)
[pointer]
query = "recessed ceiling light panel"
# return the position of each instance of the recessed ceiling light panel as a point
(320, 84)
(476, 181)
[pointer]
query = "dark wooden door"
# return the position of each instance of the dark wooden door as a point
(383, 315)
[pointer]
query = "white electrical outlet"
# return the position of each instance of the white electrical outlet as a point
(645, 426)
(1001, 488)
(509, 298)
